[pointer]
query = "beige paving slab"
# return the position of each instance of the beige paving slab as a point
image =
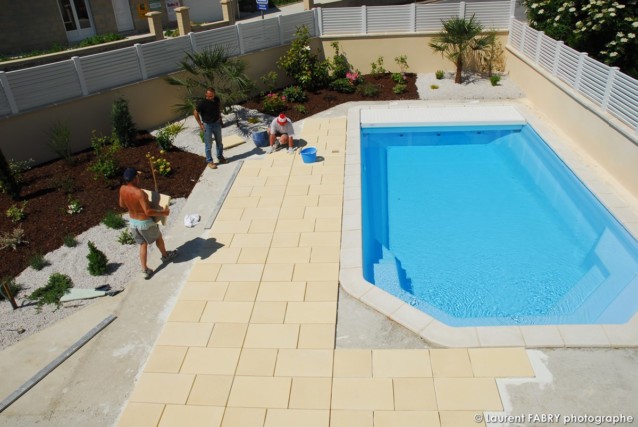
(304, 363)
(332, 212)
(281, 291)
(272, 190)
(244, 417)
(185, 334)
(352, 363)
(316, 272)
(323, 254)
(322, 291)
(213, 361)
(299, 200)
(227, 312)
(212, 390)
(228, 335)
(285, 239)
(231, 227)
(451, 363)
(500, 362)
(251, 240)
(253, 255)
(269, 312)
(141, 415)
(318, 239)
(197, 416)
(327, 224)
(362, 393)
(262, 225)
(310, 393)
(295, 224)
(204, 291)
(187, 311)
(347, 418)
(204, 272)
(414, 394)
(241, 291)
(542, 336)
(297, 417)
(257, 362)
(241, 272)
(240, 202)
(225, 255)
(318, 336)
(401, 363)
(466, 394)
(406, 419)
(166, 359)
(162, 388)
(272, 336)
(461, 419)
(296, 189)
(278, 273)
(260, 392)
(289, 255)
(311, 312)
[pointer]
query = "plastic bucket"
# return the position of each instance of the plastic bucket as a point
(261, 138)
(309, 154)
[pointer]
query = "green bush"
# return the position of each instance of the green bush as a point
(122, 123)
(303, 65)
(101, 38)
(495, 80)
(69, 241)
(97, 261)
(399, 88)
(16, 213)
(340, 65)
(295, 94)
(74, 206)
(126, 238)
(14, 288)
(8, 179)
(342, 85)
(439, 74)
(368, 90)
(434, 87)
(270, 81)
(105, 166)
(113, 220)
(300, 108)
(397, 78)
(56, 287)
(166, 136)
(402, 62)
(377, 69)
(273, 104)
(38, 262)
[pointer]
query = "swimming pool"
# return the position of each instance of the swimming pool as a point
(485, 225)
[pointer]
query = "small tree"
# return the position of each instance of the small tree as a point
(97, 261)
(460, 37)
(122, 123)
(8, 182)
(302, 64)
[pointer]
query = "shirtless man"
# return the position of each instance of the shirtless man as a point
(144, 229)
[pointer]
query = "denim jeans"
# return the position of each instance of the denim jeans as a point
(210, 130)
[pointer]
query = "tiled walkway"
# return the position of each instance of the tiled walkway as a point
(250, 341)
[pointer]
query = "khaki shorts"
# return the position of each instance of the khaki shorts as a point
(147, 233)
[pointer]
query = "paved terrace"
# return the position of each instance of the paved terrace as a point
(251, 338)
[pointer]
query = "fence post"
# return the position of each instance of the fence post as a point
(559, 48)
(183, 20)
(155, 24)
(140, 59)
(281, 31)
(191, 37)
(364, 20)
(413, 13)
(462, 10)
(241, 37)
(4, 82)
(80, 73)
(537, 51)
(610, 84)
(579, 70)
(319, 21)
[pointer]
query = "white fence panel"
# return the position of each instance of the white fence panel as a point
(549, 50)
(45, 84)
(260, 34)
(111, 69)
(162, 57)
(429, 16)
(593, 80)
(492, 15)
(290, 23)
(389, 19)
(341, 20)
(226, 37)
(530, 41)
(623, 100)
(567, 65)
(516, 34)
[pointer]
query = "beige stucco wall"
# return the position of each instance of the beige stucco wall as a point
(608, 141)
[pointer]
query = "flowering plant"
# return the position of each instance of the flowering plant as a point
(273, 103)
(74, 206)
(160, 164)
(354, 77)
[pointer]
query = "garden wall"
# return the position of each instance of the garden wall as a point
(604, 138)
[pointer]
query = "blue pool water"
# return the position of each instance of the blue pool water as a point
(485, 226)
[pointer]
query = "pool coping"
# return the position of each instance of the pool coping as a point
(615, 198)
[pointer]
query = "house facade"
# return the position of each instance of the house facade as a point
(41, 24)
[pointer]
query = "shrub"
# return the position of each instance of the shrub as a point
(14, 288)
(434, 87)
(38, 262)
(399, 88)
(66, 185)
(60, 141)
(113, 220)
(494, 80)
(97, 261)
(56, 287)
(273, 104)
(122, 122)
(397, 78)
(73, 206)
(166, 136)
(439, 74)
(339, 65)
(342, 85)
(295, 94)
(377, 69)
(270, 81)
(368, 90)
(126, 238)
(300, 108)
(8, 182)
(171, 33)
(13, 239)
(69, 241)
(303, 65)
(16, 213)
(101, 38)
(160, 164)
(402, 62)
(105, 166)
(354, 77)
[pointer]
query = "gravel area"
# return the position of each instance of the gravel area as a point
(124, 259)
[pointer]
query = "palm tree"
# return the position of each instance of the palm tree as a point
(212, 68)
(459, 38)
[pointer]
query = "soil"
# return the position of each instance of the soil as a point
(46, 188)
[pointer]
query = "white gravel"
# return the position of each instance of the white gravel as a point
(124, 259)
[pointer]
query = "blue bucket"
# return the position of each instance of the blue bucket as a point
(309, 154)
(261, 139)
